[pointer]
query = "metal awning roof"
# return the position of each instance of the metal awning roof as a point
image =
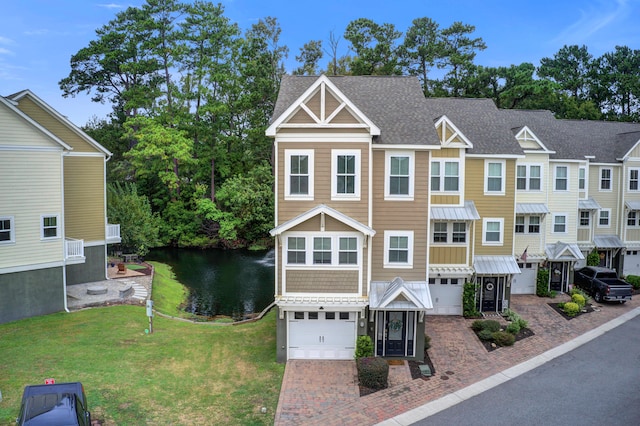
(608, 241)
(531, 208)
(400, 294)
(466, 212)
(632, 205)
(589, 204)
(495, 265)
(563, 251)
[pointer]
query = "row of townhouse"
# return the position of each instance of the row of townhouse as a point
(388, 202)
(53, 224)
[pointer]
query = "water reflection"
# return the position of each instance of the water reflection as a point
(233, 283)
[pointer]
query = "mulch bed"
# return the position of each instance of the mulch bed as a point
(414, 367)
(556, 307)
(522, 334)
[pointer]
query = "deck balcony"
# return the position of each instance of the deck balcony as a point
(113, 233)
(74, 250)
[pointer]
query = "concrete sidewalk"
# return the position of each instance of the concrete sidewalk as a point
(463, 366)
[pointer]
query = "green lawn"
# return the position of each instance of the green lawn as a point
(182, 374)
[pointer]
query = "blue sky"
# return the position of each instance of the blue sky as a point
(38, 37)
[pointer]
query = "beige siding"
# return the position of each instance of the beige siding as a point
(344, 117)
(584, 234)
(358, 210)
(331, 103)
(32, 187)
(446, 199)
(15, 131)
(301, 117)
(352, 131)
(633, 235)
(446, 153)
(322, 281)
(84, 198)
(54, 126)
(606, 199)
(314, 104)
(491, 206)
(448, 256)
(635, 152)
(396, 215)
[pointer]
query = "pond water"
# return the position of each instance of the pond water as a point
(234, 283)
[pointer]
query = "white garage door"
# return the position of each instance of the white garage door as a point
(322, 335)
(632, 263)
(525, 281)
(446, 294)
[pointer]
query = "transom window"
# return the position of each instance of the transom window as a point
(445, 176)
(492, 234)
(6, 230)
(633, 180)
(561, 178)
(605, 179)
(529, 177)
(398, 249)
(299, 174)
(50, 225)
(494, 172)
(560, 223)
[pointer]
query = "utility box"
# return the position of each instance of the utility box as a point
(149, 308)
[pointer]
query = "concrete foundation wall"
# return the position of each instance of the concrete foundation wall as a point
(31, 293)
(92, 270)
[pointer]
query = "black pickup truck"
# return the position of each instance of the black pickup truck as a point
(603, 284)
(53, 405)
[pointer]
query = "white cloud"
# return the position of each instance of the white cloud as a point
(38, 32)
(4, 51)
(111, 6)
(6, 41)
(599, 16)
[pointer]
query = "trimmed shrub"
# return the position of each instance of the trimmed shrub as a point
(542, 283)
(522, 323)
(576, 290)
(477, 325)
(578, 299)
(485, 334)
(634, 280)
(513, 328)
(373, 372)
(571, 309)
(502, 338)
(364, 347)
(491, 325)
(593, 259)
(427, 343)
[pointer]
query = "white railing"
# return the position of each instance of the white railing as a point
(73, 248)
(113, 233)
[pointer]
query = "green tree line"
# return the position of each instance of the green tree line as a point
(192, 94)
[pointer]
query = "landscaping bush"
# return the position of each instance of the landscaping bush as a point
(578, 299)
(576, 290)
(427, 343)
(364, 347)
(542, 283)
(502, 338)
(515, 318)
(469, 309)
(593, 259)
(491, 325)
(373, 372)
(571, 309)
(477, 325)
(522, 323)
(634, 280)
(485, 334)
(513, 328)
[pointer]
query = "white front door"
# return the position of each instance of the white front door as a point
(321, 335)
(525, 281)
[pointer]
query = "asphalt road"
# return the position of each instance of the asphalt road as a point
(595, 384)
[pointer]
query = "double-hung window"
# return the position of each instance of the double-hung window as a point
(604, 220)
(559, 223)
(7, 230)
(633, 179)
(440, 232)
(520, 226)
(605, 179)
(322, 250)
(398, 250)
(50, 227)
(296, 251)
(534, 224)
(528, 177)
(585, 218)
(494, 177)
(445, 232)
(493, 231)
(348, 253)
(633, 220)
(582, 178)
(399, 175)
(561, 178)
(299, 174)
(445, 176)
(459, 234)
(345, 183)
(326, 250)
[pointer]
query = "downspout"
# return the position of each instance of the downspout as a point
(106, 219)
(64, 242)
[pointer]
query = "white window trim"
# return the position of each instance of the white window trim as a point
(600, 180)
(450, 234)
(58, 233)
(608, 225)
(485, 221)
(580, 219)
(527, 224)
(288, 153)
(335, 250)
(637, 169)
(586, 179)
(555, 179)
(387, 240)
(503, 177)
(12, 230)
(566, 223)
(387, 175)
(441, 176)
(334, 174)
(637, 219)
(528, 176)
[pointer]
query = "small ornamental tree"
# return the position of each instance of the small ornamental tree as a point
(593, 259)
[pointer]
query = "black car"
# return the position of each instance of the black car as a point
(53, 405)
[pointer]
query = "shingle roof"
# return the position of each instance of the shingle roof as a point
(394, 103)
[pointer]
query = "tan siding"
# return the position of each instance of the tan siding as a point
(322, 281)
(445, 199)
(54, 126)
(633, 235)
(330, 103)
(31, 187)
(583, 234)
(358, 131)
(344, 117)
(330, 225)
(314, 104)
(301, 117)
(448, 256)
(288, 209)
(446, 153)
(400, 216)
(84, 198)
(492, 206)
